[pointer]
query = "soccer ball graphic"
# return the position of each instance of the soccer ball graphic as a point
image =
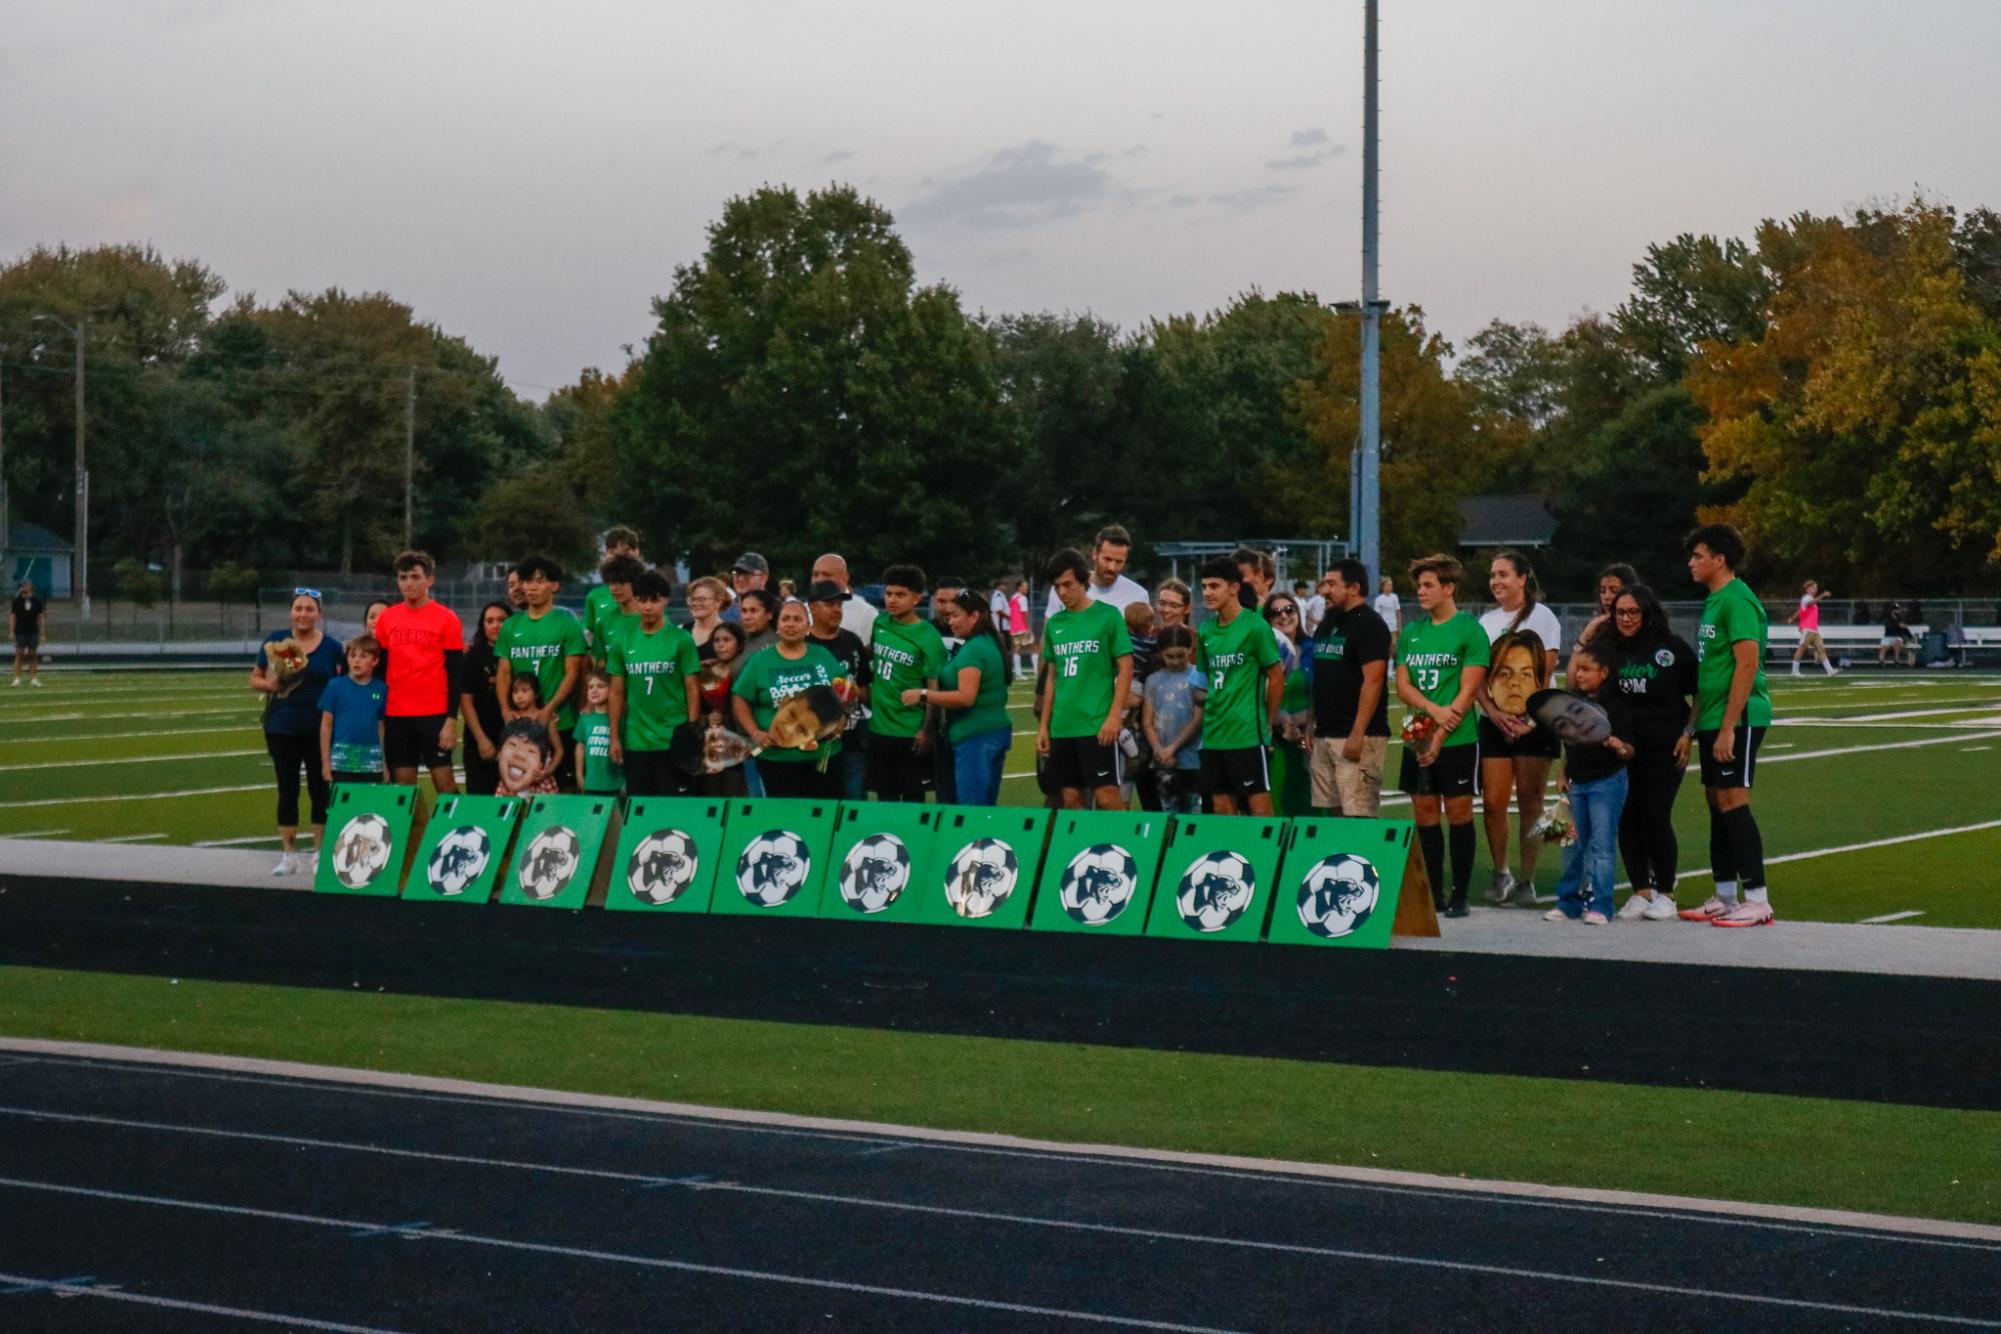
(980, 877)
(1099, 883)
(1337, 895)
(773, 868)
(662, 867)
(549, 862)
(1215, 890)
(361, 850)
(459, 859)
(875, 873)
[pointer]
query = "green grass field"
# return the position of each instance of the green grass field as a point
(1866, 788)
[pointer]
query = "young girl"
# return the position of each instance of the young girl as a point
(1595, 778)
(528, 753)
(719, 664)
(524, 695)
(1171, 715)
(596, 771)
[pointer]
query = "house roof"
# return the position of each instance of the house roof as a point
(34, 537)
(1506, 521)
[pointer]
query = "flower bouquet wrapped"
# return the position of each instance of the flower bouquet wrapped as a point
(1418, 729)
(287, 662)
(1556, 826)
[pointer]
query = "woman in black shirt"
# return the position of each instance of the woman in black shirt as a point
(1655, 669)
(479, 702)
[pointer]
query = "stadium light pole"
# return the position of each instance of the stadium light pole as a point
(79, 332)
(1368, 494)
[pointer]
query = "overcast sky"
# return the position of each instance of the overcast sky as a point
(528, 174)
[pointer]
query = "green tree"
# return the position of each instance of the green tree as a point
(1690, 291)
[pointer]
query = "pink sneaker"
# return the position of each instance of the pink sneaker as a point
(1708, 912)
(1594, 918)
(1746, 913)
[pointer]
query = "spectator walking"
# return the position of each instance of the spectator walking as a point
(479, 702)
(1515, 754)
(1350, 660)
(1807, 617)
(1017, 627)
(27, 620)
(1107, 581)
(292, 685)
(1655, 671)
(424, 646)
(973, 694)
(1594, 778)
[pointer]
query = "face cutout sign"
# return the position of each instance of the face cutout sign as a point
(1516, 671)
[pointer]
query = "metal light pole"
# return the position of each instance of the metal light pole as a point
(79, 332)
(1368, 494)
(4, 547)
(409, 451)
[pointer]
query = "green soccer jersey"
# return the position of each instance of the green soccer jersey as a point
(1235, 658)
(906, 657)
(988, 712)
(600, 612)
(540, 648)
(768, 679)
(656, 669)
(594, 767)
(1436, 655)
(1084, 648)
(1730, 614)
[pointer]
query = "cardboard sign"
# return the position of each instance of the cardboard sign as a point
(775, 856)
(667, 855)
(557, 851)
(1341, 882)
(1099, 872)
(1217, 877)
(462, 849)
(882, 857)
(985, 867)
(368, 839)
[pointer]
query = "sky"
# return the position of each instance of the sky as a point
(528, 175)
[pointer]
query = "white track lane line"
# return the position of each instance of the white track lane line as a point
(133, 796)
(62, 1289)
(130, 759)
(657, 1262)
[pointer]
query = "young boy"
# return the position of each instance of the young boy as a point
(424, 645)
(1441, 661)
(609, 609)
(1089, 656)
(656, 690)
(526, 758)
(908, 654)
(352, 730)
(1171, 717)
(545, 642)
(1239, 656)
(598, 769)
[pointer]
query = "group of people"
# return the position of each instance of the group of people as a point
(1275, 703)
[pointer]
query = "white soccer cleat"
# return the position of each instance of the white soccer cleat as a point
(1748, 913)
(288, 864)
(1708, 912)
(1662, 909)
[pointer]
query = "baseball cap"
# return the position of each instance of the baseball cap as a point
(826, 590)
(751, 563)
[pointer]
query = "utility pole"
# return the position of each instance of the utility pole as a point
(1368, 494)
(4, 547)
(409, 448)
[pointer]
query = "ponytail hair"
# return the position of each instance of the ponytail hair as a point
(1531, 588)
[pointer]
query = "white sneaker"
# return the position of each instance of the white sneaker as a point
(1503, 885)
(288, 864)
(17, 680)
(1662, 909)
(1557, 915)
(1635, 907)
(35, 681)
(1595, 918)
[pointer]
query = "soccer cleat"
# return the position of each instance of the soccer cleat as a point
(1557, 915)
(1593, 917)
(1747, 913)
(1662, 909)
(1457, 907)
(288, 864)
(1502, 886)
(1708, 912)
(1636, 906)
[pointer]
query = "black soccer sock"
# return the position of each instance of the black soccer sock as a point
(1462, 860)
(1431, 842)
(1722, 858)
(1747, 846)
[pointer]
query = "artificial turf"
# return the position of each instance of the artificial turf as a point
(1765, 1148)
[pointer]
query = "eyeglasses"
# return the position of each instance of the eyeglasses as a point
(1627, 614)
(1283, 611)
(312, 593)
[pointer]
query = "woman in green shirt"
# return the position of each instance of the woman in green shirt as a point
(769, 678)
(975, 701)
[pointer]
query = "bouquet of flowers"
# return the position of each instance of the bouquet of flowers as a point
(1556, 826)
(1418, 729)
(287, 662)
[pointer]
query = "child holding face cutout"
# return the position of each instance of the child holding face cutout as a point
(1594, 778)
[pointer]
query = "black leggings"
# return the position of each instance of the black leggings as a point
(1646, 825)
(653, 773)
(287, 754)
(799, 779)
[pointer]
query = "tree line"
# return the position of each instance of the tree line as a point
(1832, 384)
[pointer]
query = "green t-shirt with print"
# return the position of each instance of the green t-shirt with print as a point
(906, 657)
(769, 678)
(988, 712)
(1235, 658)
(541, 648)
(595, 771)
(1731, 614)
(1436, 655)
(656, 668)
(1083, 648)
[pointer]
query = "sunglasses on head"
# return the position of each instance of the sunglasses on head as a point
(312, 593)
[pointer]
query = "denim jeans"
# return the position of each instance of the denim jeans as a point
(852, 765)
(977, 764)
(1594, 808)
(753, 784)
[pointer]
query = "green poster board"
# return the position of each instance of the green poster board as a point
(881, 858)
(985, 865)
(462, 848)
(556, 852)
(775, 856)
(1341, 882)
(368, 839)
(1216, 880)
(667, 854)
(1098, 874)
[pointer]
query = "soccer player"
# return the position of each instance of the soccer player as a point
(545, 642)
(608, 607)
(1441, 661)
(656, 690)
(1238, 653)
(1808, 619)
(1107, 582)
(1351, 717)
(909, 654)
(1389, 606)
(1733, 709)
(606, 601)
(1089, 658)
(425, 645)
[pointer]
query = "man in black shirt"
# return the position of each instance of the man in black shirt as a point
(25, 617)
(827, 601)
(1351, 721)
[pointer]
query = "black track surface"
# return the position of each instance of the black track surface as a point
(1841, 1035)
(389, 1209)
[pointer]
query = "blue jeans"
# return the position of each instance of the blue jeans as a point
(851, 766)
(977, 764)
(753, 784)
(1594, 808)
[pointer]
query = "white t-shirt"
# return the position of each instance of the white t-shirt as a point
(1540, 619)
(1312, 610)
(857, 615)
(1390, 607)
(1122, 594)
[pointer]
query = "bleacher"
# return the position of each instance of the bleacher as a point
(1959, 645)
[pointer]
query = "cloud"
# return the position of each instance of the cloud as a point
(1309, 138)
(1305, 161)
(719, 150)
(1259, 197)
(1181, 201)
(1017, 187)
(838, 155)
(744, 154)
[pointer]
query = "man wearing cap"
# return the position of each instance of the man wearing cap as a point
(856, 615)
(829, 601)
(749, 571)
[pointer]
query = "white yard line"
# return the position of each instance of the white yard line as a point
(1938, 712)
(1891, 917)
(1887, 745)
(36, 833)
(65, 738)
(129, 759)
(248, 713)
(129, 838)
(1859, 847)
(133, 796)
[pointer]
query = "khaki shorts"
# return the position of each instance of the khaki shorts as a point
(1810, 639)
(1348, 787)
